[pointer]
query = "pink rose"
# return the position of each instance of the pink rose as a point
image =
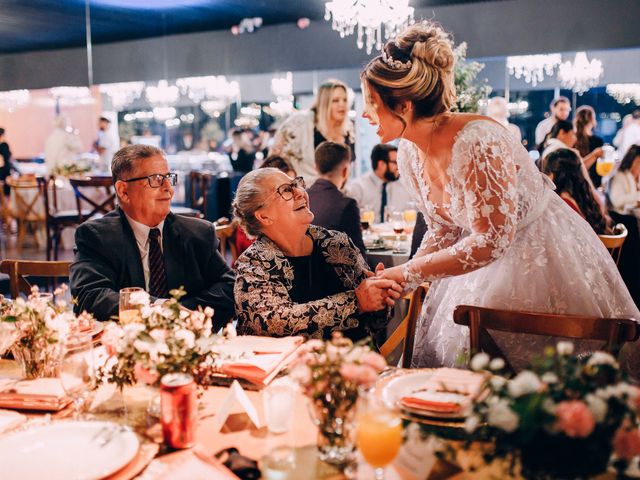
(360, 374)
(144, 375)
(374, 360)
(575, 419)
(626, 443)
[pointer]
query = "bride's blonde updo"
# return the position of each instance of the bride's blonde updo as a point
(416, 66)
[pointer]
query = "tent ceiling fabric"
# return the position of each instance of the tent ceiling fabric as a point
(30, 25)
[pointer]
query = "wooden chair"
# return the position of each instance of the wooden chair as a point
(80, 183)
(226, 231)
(406, 330)
(18, 269)
(186, 211)
(25, 206)
(613, 331)
(199, 184)
(615, 241)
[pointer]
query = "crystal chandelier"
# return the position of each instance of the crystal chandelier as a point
(210, 87)
(581, 74)
(532, 68)
(70, 96)
(369, 17)
(163, 94)
(282, 88)
(625, 93)
(122, 94)
(14, 99)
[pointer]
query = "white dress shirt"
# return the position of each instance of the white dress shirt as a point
(631, 137)
(141, 232)
(367, 190)
(543, 128)
(623, 193)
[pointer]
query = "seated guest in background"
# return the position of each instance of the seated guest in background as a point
(588, 145)
(562, 135)
(564, 167)
(559, 110)
(331, 208)
(276, 161)
(625, 197)
(142, 244)
(299, 279)
(379, 188)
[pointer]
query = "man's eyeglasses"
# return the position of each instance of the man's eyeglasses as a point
(286, 190)
(157, 179)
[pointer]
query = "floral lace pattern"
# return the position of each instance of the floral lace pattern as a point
(501, 238)
(265, 277)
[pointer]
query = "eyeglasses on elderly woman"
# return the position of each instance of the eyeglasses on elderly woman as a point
(286, 190)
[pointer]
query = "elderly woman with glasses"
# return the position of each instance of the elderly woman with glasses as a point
(297, 278)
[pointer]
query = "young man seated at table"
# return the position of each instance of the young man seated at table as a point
(142, 244)
(331, 208)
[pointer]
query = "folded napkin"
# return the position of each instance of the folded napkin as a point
(257, 359)
(37, 394)
(439, 402)
(187, 465)
(10, 420)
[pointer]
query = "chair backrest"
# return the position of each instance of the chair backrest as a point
(108, 204)
(24, 198)
(199, 183)
(615, 241)
(613, 331)
(226, 233)
(17, 269)
(406, 330)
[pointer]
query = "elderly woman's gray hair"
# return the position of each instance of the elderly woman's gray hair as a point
(250, 196)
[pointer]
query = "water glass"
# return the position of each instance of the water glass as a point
(128, 313)
(279, 463)
(77, 370)
(278, 401)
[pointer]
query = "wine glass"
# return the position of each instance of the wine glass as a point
(77, 370)
(366, 217)
(378, 431)
(397, 223)
(128, 312)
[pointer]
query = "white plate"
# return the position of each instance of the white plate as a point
(66, 451)
(403, 386)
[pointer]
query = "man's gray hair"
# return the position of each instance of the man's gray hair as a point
(124, 160)
(250, 196)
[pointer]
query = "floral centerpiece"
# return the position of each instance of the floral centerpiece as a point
(40, 327)
(330, 373)
(563, 418)
(72, 169)
(167, 339)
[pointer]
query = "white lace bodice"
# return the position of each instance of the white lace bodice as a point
(492, 189)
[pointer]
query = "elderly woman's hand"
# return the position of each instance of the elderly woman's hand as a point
(374, 294)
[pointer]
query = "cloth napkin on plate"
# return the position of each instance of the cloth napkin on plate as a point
(37, 394)
(257, 359)
(187, 465)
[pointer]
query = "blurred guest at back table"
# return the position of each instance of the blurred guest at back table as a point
(62, 146)
(564, 168)
(631, 133)
(625, 201)
(588, 145)
(105, 145)
(5, 160)
(560, 108)
(331, 208)
(241, 151)
(497, 108)
(380, 188)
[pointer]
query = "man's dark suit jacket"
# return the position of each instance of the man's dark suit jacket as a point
(333, 210)
(107, 259)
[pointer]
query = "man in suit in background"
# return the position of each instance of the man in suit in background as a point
(142, 244)
(331, 208)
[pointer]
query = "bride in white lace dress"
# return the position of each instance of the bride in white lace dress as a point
(498, 235)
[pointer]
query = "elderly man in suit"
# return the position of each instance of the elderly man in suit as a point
(142, 244)
(331, 208)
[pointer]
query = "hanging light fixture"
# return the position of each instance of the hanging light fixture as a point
(581, 74)
(209, 87)
(625, 93)
(122, 94)
(162, 94)
(71, 96)
(533, 68)
(14, 99)
(369, 18)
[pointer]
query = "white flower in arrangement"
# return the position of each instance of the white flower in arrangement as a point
(140, 298)
(184, 314)
(355, 354)
(230, 330)
(471, 423)
(524, 383)
(549, 378)
(501, 416)
(549, 406)
(497, 382)
(143, 346)
(208, 311)
(132, 330)
(597, 406)
(602, 358)
(480, 361)
(158, 334)
(564, 348)
(187, 336)
(496, 364)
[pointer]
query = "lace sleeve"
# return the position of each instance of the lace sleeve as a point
(484, 183)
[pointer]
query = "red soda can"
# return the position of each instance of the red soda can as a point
(178, 409)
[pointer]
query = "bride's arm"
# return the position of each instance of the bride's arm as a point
(488, 183)
(437, 237)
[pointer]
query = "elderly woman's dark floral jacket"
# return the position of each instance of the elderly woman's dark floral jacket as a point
(264, 279)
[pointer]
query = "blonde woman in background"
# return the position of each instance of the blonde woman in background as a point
(328, 119)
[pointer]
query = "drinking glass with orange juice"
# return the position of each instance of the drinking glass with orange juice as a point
(378, 431)
(410, 215)
(604, 164)
(127, 312)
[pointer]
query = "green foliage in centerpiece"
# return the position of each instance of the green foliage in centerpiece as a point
(469, 90)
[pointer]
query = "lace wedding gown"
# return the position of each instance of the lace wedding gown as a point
(503, 239)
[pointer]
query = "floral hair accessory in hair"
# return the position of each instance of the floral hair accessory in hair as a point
(395, 64)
